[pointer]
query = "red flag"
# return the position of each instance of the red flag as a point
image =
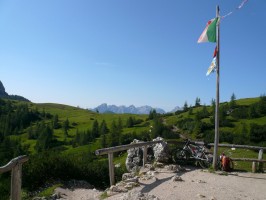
(215, 52)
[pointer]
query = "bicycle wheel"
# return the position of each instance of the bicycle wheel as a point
(205, 160)
(180, 156)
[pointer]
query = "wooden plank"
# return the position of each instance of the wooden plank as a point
(254, 167)
(111, 169)
(13, 163)
(239, 146)
(16, 182)
(247, 159)
(260, 157)
(123, 147)
(144, 155)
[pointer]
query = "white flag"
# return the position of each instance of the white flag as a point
(212, 67)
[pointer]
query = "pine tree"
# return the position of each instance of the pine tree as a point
(95, 129)
(56, 124)
(197, 102)
(232, 103)
(185, 107)
(103, 128)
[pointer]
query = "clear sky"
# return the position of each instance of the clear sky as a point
(142, 52)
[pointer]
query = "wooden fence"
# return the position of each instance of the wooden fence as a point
(15, 166)
(144, 145)
(257, 164)
(111, 150)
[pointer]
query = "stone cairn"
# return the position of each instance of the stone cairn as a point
(160, 154)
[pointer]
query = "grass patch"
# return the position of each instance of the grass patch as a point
(240, 153)
(49, 191)
(104, 195)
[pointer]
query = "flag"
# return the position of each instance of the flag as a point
(215, 52)
(209, 33)
(212, 66)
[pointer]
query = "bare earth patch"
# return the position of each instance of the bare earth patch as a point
(190, 184)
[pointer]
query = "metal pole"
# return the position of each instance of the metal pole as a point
(216, 142)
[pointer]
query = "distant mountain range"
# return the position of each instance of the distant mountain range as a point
(4, 94)
(104, 108)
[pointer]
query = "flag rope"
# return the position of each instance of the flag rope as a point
(237, 8)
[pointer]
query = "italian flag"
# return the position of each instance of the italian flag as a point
(209, 33)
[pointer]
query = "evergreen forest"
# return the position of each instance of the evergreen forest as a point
(61, 140)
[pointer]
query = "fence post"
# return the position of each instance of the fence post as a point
(260, 157)
(144, 155)
(254, 165)
(16, 182)
(111, 169)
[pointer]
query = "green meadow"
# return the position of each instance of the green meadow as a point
(61, 140)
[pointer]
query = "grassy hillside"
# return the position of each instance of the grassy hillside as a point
(69, 151)
(236, 119)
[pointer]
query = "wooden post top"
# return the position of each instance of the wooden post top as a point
(12, 163)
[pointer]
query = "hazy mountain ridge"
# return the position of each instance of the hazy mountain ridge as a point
(104, 108)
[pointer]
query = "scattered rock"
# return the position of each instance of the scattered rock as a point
(131, 185)
(201, 196)
(149, 166)
(201, 181)
(133, 195)
(177, 178)
(172, 167)
(126, 176)
(118, 189)
(148, 175)
(134, 179)
(159, 164)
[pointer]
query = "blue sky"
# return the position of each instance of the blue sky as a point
(142, 52)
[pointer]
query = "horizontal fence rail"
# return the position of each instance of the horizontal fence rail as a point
(111, 150)
(124, 147)
(15, 166)
(247, 160)
(239, 146)
(144, 145)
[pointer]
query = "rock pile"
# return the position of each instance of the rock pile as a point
(159, 151)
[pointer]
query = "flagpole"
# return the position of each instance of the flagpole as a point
(216, 141)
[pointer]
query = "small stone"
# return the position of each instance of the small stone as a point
(159, 165)
(114, 188)
(172, 167)
(118, 165)
(149, 166)
(177, 178)
(126, 176)
(150, 173)
(201, 195)
(201, 181)
(213, 198)
(131, 185)
(135, 179)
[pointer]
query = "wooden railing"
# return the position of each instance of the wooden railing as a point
(15, 166)
(144, 145)
(111, 150)
(257, 164)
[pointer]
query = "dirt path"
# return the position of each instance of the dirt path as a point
(195, 184)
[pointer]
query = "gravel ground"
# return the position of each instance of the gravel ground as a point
(194, 184)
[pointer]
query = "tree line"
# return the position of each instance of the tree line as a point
(229, 113)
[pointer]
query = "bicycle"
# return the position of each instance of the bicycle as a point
(193, 152)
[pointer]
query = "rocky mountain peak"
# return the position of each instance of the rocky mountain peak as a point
(2, 90)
